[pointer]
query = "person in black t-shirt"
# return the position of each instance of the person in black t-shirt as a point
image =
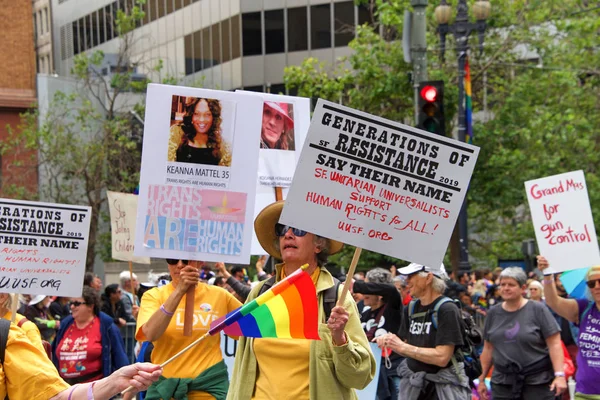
(427, 346)
(382, 313)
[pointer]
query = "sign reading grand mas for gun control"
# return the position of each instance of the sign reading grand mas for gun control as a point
(43, 247)
(378, 184)
(563, 223)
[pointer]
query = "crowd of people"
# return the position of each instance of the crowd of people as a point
(534, 337)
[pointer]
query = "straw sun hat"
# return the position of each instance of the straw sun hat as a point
(264, 225)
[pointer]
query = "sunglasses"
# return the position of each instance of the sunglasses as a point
(76, 303)
(592, 283)
(170, 261)
(281, 230)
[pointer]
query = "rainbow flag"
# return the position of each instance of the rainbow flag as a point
(468, 103)
(288, 310)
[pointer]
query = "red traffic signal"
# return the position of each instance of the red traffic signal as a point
(429, 93)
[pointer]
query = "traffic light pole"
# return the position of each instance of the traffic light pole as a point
(418, 48)
(463, 233)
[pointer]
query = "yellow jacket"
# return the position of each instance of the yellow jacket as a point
(334, 372)
(31, 330)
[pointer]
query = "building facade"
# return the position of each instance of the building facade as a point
(222, 44)
(42, 28)
(17, 93)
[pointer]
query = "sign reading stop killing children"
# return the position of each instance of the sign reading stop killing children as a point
(43, 247)
(563, 223)
(123, 211)
(379, 185)
(198, 175)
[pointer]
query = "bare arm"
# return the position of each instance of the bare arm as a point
(439, 355)
(557, 357)
(566, 308)
(486, 359)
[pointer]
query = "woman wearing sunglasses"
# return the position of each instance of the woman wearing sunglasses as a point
(88, 345)
(329, 368)
(201, 372)
(586, 314)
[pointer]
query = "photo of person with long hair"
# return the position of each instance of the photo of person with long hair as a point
(277, 126)
(195, 135)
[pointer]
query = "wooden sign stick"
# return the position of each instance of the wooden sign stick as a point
(349, 276)
(278, 193)
(131, 279)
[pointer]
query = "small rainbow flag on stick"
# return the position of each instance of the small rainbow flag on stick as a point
(288, 310)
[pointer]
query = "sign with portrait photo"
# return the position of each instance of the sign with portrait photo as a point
(285, 122)
(43, 247)
(198, 175)
(379, 185)
(563, 222)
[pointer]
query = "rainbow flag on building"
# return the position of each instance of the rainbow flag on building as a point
(288, 310)
(468, 104)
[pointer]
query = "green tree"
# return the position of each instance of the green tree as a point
(538, 78)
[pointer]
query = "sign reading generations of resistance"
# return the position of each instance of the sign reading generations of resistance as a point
(379, 185)
(43, 247)
(563, 223)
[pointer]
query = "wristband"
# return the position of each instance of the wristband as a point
(164, 310)
(548, 280)
(72, 390)
(90, 392)
(559, 374)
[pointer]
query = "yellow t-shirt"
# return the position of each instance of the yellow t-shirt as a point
(31, 330)
(211, 303)
(27, 372)
(282, 364)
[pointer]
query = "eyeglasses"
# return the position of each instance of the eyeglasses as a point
(170, 261)
(592, 283)
(281, 230)
(76, 303)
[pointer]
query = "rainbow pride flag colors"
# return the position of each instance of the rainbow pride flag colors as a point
(468, 103)
(288, 310)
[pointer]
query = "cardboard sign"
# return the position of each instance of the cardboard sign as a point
(123, 211)
(379, 185)
(563, 223)
(43, 247)
(198, 177)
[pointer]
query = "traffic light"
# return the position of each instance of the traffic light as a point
(431, 107)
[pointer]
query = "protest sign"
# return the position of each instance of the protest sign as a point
(123, 211)
(285, 121)
(378, 184)
(563, 223)
(198, 176)
(43, 247)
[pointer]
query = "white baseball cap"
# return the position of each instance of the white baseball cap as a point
(414, 268)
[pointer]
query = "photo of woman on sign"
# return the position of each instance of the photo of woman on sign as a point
(195, 135)
(277, 126)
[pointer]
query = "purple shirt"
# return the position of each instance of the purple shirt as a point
(588, 356)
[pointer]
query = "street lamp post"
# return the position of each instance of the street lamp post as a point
(461, 29)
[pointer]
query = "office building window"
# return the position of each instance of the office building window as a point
(170, 6)
(344, 23)
(254, 88)
(297, 29)
(235, 37)
(274, 33)
(95, 34)
(197, 52)
(101, 25)
(320, 26)
(251, 34)
(216, 44)
(366, 14)
(206, 47)
(35, 27)
(278, 88)
(226, 40)
(110, 29)
(188, 49)
(162, 8)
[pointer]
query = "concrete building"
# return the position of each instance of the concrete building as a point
(17, 92)
(42, 27)
(224, 44)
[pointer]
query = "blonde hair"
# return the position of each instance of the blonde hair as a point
(593, 270)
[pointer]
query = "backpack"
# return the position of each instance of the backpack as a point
(329, 295)
(47, 346)
(4, 329)
(472, 337)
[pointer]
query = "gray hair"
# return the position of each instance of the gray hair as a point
(515, 273)
(379, 275)
(437, 284)
(125, 277)
(319, 241)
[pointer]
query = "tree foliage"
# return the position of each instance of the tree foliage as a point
(538, 77)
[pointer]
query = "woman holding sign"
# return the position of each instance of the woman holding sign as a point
(586, 314)
(329, 368)
(198, 139)
(197, 374)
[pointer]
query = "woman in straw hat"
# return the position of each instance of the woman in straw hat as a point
(276, 124)
(301, 369)
(586, 314)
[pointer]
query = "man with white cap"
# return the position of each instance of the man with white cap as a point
(428, 338)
